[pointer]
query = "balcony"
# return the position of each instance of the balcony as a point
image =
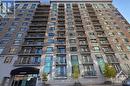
(39, 20)
(33, 44)
(35, 36)
(38, 24)
(36, 30)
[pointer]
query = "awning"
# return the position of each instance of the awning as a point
(24, 71)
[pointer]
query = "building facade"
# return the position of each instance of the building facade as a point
(53, 38)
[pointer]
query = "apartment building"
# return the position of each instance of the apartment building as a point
(52, 38)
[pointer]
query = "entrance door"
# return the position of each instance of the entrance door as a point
(101, 64)
(24, 80)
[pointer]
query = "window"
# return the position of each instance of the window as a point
(74, 60)
(73, 49)
(121, 33)
(33, 6)
(111, 58)
(23, 29)
(16, 6)
(27, 19)
(1, 29)
(72, 40)
(61, 49)
(89, 70)
(17, 19)
(125, 40)
(51, 34)
(13, 50)
(15, 23)
(25, 23)
(30, 11)
(71, 34)
(119, 48)
(20, 15)
(19, 36)
(86, 58)
(49, 49)
(82, 41)
(50, 41)
(96, 48)
(1, 50)
(7, 35)
(4, 41)
(93, 41)
(68, 5)
(84, 48)
(11, 29)
(124, 56)
(128, 47)
(29, 15)
(17, 42)
(24, 6)
(8, 59)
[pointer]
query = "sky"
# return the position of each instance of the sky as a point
(122, 5)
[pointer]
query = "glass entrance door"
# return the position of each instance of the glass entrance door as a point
(101, 64)
(25, 80)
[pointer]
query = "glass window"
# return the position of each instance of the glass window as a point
(73, 49)
(15, 23)
(124, 56)
(7, 35)
(1, 49)
(29, 15)
(20, 15)
(128, 47)
(25, 23)
(50, 41)
(16, 6)
(51, 34)
(4, 41)
(13, 50)
(27, 19)
(23, 28)
(33, 6)
(96, 48)
(30, 11)
(19, 35)
(25, 6)
(72, 40)
(49, 49)
(119, 48)
(125, 40)
(17, 19)
(8, 59)
(17, 42)
(11, 29)
(1, 29)
(121, 33)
